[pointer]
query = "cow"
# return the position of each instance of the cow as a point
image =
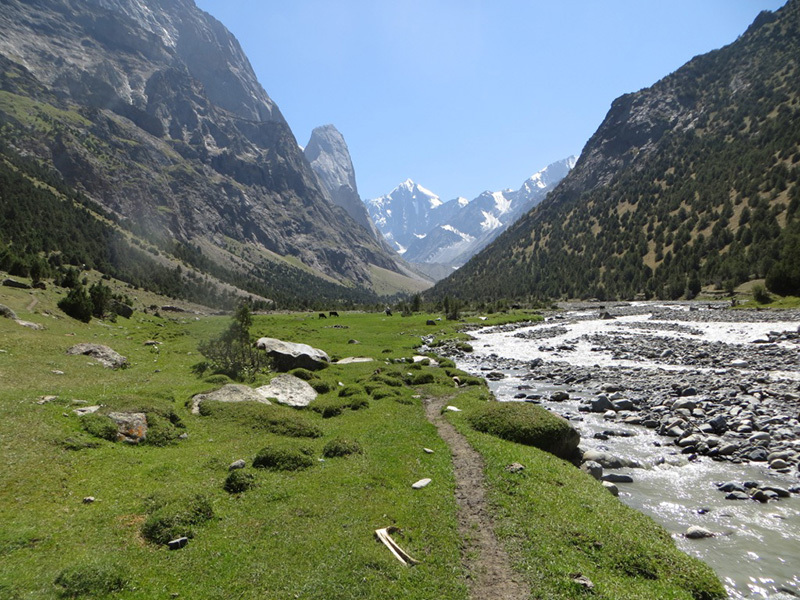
(333, 313)
(388, 311)
(322, 316)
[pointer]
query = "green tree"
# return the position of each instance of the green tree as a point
(233, 353)
(77, 304)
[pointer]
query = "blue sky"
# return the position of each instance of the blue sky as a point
(467, 95)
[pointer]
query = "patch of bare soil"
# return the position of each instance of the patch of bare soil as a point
(487, 564)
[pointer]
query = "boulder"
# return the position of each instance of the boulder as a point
(7, 312)
(601, 404)
(102, 354)
(131, 427)
(232, 392)
(611, 488)
(617, 478)
(289, 390)
(290, 355)
(609, 461)
(16, 284)
(593, 468)
(695, 533)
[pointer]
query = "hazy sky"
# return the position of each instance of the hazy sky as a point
(467, 95)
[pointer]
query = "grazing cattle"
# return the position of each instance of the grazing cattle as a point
(333, 313)
(388, 312)
(431, 322)
(322, 316)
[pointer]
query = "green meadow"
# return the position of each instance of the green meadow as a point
(306, 531)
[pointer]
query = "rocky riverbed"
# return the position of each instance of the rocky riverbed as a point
(682, 387)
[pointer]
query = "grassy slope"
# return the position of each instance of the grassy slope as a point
(300, 535)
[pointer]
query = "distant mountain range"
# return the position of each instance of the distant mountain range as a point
(151, 113)
(424, 229)
(692, 182)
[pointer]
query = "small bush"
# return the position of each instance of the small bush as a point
(761, 295)
(238, 481)
(303, 374)
(526, 424)
(219, 378)
(171, 519)
(446, 363)
(341, 447)
(77, 304)
(350, 390)
(321, 386)
(163, 427)
(283, 458)
(100, 426)
(91, 580)
(422, 378)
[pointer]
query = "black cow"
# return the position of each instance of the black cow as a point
(322, 316)
(333, 313)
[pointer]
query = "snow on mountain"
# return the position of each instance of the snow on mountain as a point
(416, 222)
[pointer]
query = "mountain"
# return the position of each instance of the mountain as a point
(329, 156)
(692, 182)
(426, 230)
(152, 112)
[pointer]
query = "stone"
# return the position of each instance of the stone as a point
(696, 532)
(515, 468)
(289, 390)
(583, 581)
(86, 410)
(177, 543)
(601, 404)
(617, 478)
(237, 464)
(7, 312)
(604, 459)
(778, 464)
(420, 484)
(559, 396)
(778, 491)
(13, 283)
(290, 355)
(89, 500)
(737, 496)
(232, 392)
(731, 486)
(758, 455)
(452, 409)
(763, 496)
(611, 488)
(427, 451)
(593, 468)
(739, 363)
(131, 427)
(719, 423)
(685, 403)
(102, 354)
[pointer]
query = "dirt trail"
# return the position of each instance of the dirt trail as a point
(485, 560)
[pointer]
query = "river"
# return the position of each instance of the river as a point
(743, 365)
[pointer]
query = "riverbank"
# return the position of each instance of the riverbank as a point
(678, 391)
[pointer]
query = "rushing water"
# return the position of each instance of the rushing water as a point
(756, 552)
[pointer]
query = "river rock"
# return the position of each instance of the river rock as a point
(232, 392)
(763, 496)
(779, 464)
(605, 459)
(290, 355)
(737, 496)
(617, 478)
(289, 390)
(102, 354)
(611, 488)
(601, 404)
(559, 396)
(593, 468)
(696, 532)
(237, 464)
(757, 455)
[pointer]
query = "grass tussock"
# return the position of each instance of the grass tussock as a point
(341, 447)
(281, 457)
(91, 580)
(278, 420)
(171, 518)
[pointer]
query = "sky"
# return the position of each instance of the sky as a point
(464, 96)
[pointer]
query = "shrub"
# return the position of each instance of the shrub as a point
(218, 378)
(163, 428)
(238, 481)
(341, 447)
(93, 579)
(761, 295)
(422, 378)
(172, 519)
(526, 424)
(446, 363)
(274, 419)
(350, 390)
(391, 379)
(283, 458)
(99, 426)
(321, 386)
(233, 353)
(77, 304)
(303, 374)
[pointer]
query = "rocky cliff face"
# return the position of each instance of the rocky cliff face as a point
(329, 156)
(153, 110)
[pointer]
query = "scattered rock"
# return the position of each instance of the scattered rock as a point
(427, 451)
(177, 543)
(7, 312)
(103, 354)
(290, 355)
(131, 427)
(593, 468)
(232, 392)
(420, 484)
(8, 282)
(515, 468)
(88, 499)
(582, 580)
(617, 478)
(86, 410)
(289, 390)
(237, 464)
(611, 488)
(452, 409)
(695, 533)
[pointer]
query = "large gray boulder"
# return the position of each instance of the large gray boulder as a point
(102, 354)
(290, 355)
(131, 427)
(289, 390)
(232, 392)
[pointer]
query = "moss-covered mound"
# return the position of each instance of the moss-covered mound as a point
(279, 457)
(279, 420)
(527, 424)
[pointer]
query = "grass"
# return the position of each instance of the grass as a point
(305, 533)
